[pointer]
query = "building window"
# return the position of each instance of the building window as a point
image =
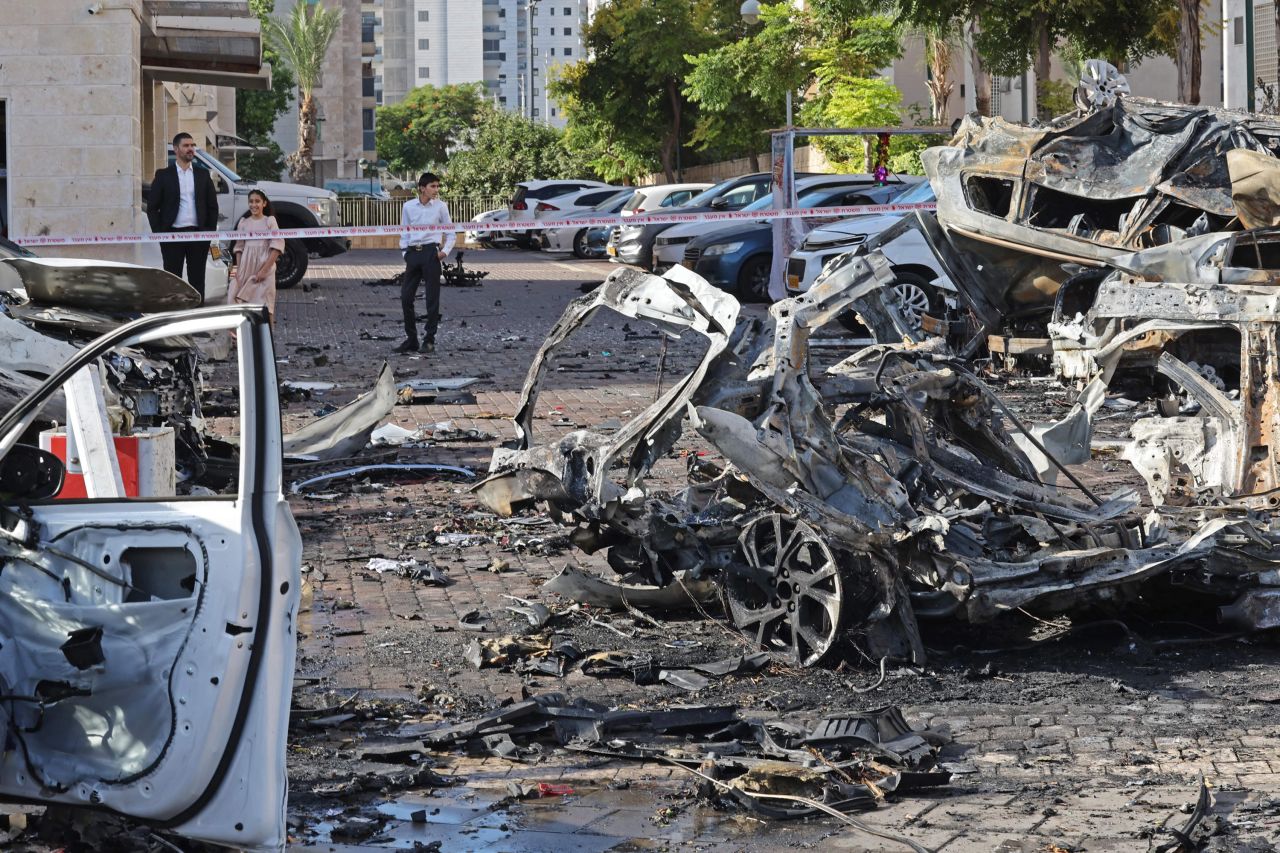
(568, 51)
(535, 51)
(502, 13)
(491, 44)
(567, 11)
(568, 31)
(367, 117)
(536, 92)
(423, 16)
(553, 10)
(536, 111)
(535, 72)
(423, 72)
(1237, 26)
(535, 31)
(552, 51)
(553, 112)
(424, 44)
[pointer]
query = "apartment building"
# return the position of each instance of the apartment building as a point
(91, 93)
(513, 47)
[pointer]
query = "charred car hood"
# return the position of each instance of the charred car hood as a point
(106, 286)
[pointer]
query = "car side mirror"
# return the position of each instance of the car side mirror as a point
(719, 203)
(30, 474)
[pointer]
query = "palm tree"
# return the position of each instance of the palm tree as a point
(302, 41)
(939, 48)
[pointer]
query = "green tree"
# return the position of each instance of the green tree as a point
(1012, 35)
(502, 149)
(617, 153)
(419, 131)
(257, 110)
(741, 87)
(302, 42)
(634, 75)
(854, 102)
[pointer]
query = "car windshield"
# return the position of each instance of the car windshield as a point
(705, 197)
(806, 199)
(922, 191)
(615, 202)
(13, 250)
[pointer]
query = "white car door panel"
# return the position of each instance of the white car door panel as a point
(148, 643)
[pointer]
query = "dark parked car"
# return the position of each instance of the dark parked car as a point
(633, 244)
(738, 257)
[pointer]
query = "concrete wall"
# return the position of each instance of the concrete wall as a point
(71, 83)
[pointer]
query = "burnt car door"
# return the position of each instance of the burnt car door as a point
(148, 638)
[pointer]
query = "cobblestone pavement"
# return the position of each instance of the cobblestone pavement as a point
(1068, 746)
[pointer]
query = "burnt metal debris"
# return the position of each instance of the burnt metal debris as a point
(897, 486)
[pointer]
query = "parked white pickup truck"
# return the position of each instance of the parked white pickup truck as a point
(295, 206)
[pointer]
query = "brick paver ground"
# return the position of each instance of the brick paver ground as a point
(1035, 772)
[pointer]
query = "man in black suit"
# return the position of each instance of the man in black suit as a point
(183, 199)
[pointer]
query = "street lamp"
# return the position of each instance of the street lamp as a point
(750, 11)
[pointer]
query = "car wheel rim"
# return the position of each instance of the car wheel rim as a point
(758, 281)
(913, 302)
(785, 590)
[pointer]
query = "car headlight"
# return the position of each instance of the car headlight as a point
(326, 210)
(721, 249)
(834, 242)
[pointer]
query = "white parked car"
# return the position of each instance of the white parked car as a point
(585, 241)
(527, 194)
(558, 207)
(661, 196)
(921, 283)
(489, 238)
(669, 247)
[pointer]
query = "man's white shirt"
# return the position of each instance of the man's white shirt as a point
(186, 198)
(434, 212)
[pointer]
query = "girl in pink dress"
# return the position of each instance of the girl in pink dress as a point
(254, 271)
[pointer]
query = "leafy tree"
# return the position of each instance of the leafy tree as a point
(854, 102)
(258, 109)
(1013, 34)
(634, 75)
(741, 87)
(420, 130)
(616, 153)
(502, 149)
(302, 43)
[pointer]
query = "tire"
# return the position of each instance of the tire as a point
(916, 297)
(292, 264)
(915, 288)
(753, 279)
(580, 244)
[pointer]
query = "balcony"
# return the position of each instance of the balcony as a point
(495, 56)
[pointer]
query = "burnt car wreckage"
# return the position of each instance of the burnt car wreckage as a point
(897, 486)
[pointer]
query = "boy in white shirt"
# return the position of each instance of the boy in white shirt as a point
(423, 251)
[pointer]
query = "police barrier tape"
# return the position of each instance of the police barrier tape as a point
(611, 220)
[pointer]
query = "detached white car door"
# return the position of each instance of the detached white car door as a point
(147, 643)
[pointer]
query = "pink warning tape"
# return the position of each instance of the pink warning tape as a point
(612, 220)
